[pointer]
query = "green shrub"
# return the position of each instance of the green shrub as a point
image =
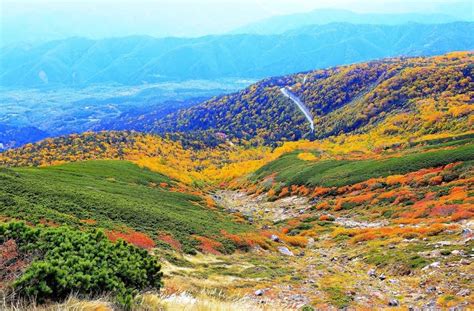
(84, 263)
(113, 194)
(336, 173)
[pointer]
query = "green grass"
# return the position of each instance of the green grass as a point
(293, 171)
(115, 194)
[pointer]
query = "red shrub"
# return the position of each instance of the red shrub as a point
(208, 245)
(133, 237)
(168, 239)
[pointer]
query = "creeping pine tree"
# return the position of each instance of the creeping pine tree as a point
(85, 263)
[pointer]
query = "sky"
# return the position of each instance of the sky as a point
(43, 20)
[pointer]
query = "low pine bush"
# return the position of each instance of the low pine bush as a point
(67, 261)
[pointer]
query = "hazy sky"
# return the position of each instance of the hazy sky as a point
(40, 20)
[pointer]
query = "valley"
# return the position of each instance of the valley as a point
(230, 204)
(32, 114)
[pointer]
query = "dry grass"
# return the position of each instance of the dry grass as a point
(150, 302)
(203, 302)
(71, 304)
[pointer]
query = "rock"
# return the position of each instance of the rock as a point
(274, 238)
(464, 261)
(301, 254)
(393, 303)
(259, 292)
(464, 292)
(431, 289)
(434, 254)
(382, 277)
(433, 265)
(430, 305)
(466, 232)
(393, 281)
(444, 243)
(285, 251)
(456, 252)
(372, 273)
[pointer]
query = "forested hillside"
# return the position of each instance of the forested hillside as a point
(423, 95)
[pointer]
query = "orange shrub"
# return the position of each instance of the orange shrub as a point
(396, 179)
(436, 180)
(88, 221)
(133, 237)
(456, 193)
(208, 245)
(367, 236)
(322, 205)
(444, 210)
(320, 191)
(326, 218)
(294, 189)
(284, 192)
(462, 214)
(253, 239)
(293, 222)
(298, 241)
(271, 193)
(360, 198)
(210, 203)
(168, 239)
(304, 191)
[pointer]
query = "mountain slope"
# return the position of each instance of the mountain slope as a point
(13, 136)
(433, 94)
(135, 60)
(283, 23)
(130, 202)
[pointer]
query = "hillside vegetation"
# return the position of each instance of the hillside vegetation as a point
(140, 206)
(293, 169)
(414, 95)
(377, 211)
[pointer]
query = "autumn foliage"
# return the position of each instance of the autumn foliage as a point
(133, 237)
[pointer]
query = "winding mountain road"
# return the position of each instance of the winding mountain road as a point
(301, 106)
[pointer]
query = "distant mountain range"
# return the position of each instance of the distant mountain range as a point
(283, 23)
(137, 60)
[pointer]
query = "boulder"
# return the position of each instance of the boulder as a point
(393, 303)
(463, 292)
(372, 273)
(259, 292)
(433, 265)
(285, 251)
